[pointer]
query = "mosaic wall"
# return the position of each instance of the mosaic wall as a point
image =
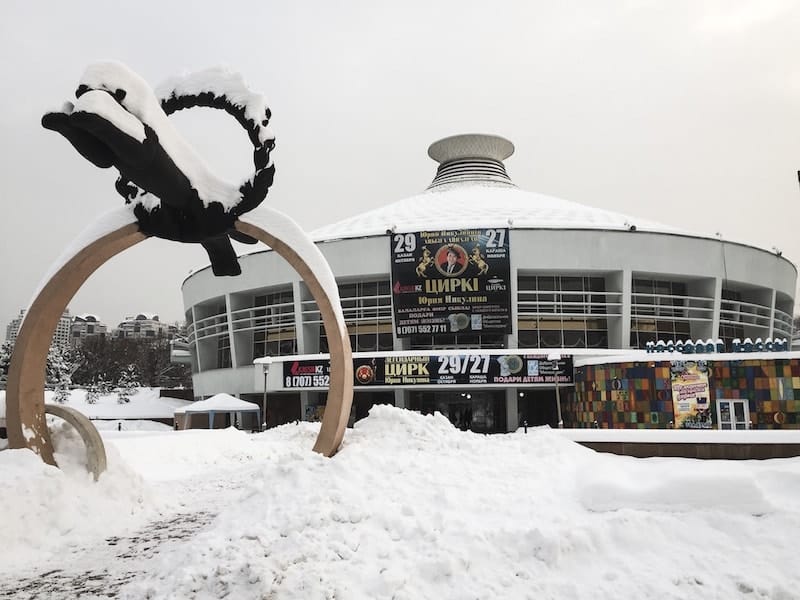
(638, 395)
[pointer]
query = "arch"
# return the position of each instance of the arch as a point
(95, 448)
(25, 410)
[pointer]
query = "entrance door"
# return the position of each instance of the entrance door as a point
(481, 411)
(733, 414)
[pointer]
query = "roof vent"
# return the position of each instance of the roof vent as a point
(471, 157)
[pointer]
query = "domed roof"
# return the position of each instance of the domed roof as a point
(468, 205)
(471, 189)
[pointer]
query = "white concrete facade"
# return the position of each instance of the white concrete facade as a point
(724, 288)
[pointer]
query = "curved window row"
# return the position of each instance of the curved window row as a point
(553, 311)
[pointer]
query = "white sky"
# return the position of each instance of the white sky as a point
(409, 508)
(679, 112)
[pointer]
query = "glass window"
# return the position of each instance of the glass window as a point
(223, 352)
(553, 303)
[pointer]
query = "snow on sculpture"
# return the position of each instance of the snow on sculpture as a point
(118, 121)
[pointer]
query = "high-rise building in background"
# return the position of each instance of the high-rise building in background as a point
(74, 330)
(61, 336)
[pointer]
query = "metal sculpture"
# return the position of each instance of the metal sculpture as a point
(118, 121)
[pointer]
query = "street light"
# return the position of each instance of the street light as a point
(265, 366)
(555, 358)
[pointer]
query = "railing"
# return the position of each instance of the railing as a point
(370, 309)
(672, 307)
(549, 303)
(737, 312)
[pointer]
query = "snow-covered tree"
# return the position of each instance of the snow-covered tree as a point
(92, 393)
(59, 367)
(127, 384)
(5, 361)
(62, 393)
(104, 386)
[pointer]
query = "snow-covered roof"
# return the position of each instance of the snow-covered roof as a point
(484, 204)
(471, 189)
(86, 317)
(143, 316)
(219, 403)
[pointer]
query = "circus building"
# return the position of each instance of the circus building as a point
(496, 307)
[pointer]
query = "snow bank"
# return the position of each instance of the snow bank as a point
(48, 509)
(413, 508)
(130, 425)
(182, 454)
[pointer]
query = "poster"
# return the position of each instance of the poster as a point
(451, 281)
(440, 369)
(690, 394)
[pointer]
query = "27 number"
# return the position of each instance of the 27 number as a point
(497, 238)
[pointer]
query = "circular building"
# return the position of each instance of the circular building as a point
(476, 298)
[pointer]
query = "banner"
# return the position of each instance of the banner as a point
(690, 394)
(453, 281)
(444, 369)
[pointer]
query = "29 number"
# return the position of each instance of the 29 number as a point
(405, 243)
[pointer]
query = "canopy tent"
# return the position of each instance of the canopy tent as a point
(219, 403)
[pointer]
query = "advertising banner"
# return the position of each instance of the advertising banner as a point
(690, 394)
(446, 282)
(445, 369)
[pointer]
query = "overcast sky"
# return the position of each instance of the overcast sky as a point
(682, 112)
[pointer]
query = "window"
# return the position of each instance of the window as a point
(223, 352)
(558, 311)
(367, 307)
(273, 319)
(659, 311)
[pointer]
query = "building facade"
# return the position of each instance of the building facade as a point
(86, 326)
(61, 336)
(545, 280)
(145, 325)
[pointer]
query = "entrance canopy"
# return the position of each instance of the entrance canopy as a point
(220, 403)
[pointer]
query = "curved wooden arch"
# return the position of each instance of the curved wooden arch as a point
(95, 448)
(340, 392)
(25, 410)
(25, 420)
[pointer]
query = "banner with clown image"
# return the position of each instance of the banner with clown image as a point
(451, 281)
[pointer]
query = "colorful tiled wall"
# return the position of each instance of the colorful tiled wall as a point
(638, 395)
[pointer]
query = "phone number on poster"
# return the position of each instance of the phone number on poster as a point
(413, 329)
(307, 381)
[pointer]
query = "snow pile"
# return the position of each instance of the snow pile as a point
(48, 510)
(413, 508)
(658, 484)
(176, 455)
(410, 508)
(131, 425)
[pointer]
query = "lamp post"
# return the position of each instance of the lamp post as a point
(556, 370)
(265, 366)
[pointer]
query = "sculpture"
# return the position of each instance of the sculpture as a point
(118, 121)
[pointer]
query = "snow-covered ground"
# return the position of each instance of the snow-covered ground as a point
(410, 508)
(144, 404)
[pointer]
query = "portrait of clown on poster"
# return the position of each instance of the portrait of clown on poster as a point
(447, 282)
